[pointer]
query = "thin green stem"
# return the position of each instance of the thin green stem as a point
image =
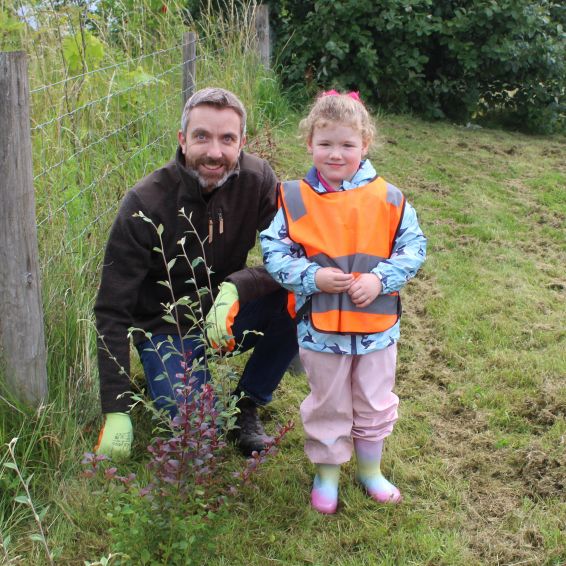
(24, 484)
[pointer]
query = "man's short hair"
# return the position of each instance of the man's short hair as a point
(218, 97)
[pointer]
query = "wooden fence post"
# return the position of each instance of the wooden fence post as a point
(189, 64)
(262, 32)
(22, 339)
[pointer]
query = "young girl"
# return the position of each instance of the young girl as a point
(344, 242)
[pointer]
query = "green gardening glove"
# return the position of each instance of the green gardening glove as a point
(115, 438)
(221, 317)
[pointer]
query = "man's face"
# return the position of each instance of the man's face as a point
(212, 143)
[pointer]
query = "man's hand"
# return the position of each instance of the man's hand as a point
(115, 438)
(365, 289)
(332, 280)
(221, 317)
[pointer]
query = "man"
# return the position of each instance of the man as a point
(227, 196)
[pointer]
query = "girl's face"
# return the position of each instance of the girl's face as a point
(337, 150)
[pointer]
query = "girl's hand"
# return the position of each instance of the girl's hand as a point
(332, 280)
(364, 290)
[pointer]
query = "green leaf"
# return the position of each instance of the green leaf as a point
(140, 76)
(10, 465)
(160, 229)
(171, 264)
(9, 24)
(36, 537)
(82, 50)
(22, 499)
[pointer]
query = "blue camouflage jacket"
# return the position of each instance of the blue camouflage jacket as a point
(286, 262)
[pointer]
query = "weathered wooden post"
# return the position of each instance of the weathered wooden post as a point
(189, 64)
(262, 32)
(22, 339)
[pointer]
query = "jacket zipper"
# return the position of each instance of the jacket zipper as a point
(210, 228)
(220, 220)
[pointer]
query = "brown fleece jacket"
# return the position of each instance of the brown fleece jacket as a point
(130, 294)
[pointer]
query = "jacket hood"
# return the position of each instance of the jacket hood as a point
(366, 173)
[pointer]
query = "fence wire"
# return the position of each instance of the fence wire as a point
(83, 167)
(135, 60)
(67, 247)
(128, 63)
(98, 131)
(207, 38)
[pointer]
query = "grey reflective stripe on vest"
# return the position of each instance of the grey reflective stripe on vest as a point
(325, 302)
(355, 263)
(294, 200)
(394, 195)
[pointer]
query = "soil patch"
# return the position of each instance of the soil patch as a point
(543, 475)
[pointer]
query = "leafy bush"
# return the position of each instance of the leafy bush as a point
(174, 516)
(468, 59)
(168, 517)
(10, 28)
(82, 50)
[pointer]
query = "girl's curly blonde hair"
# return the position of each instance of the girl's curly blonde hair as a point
(340, 108)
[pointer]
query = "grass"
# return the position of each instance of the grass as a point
(479, 450)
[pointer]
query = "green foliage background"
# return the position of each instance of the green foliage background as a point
(498, 61)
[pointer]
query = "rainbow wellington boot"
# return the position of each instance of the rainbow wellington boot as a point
(324, 494)
(368, 454)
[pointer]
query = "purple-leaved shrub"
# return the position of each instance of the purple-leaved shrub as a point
(171, 516)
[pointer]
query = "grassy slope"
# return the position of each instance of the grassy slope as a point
(479, 447)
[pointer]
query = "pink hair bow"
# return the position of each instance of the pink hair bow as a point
(352, 94)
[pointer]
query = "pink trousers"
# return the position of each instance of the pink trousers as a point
(350, 397)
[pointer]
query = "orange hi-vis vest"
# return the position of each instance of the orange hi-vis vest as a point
(353, 230)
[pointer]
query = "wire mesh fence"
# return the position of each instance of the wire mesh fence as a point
(105, 106)
(115, 128)
(95, 134)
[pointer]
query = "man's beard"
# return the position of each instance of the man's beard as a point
(209, 182)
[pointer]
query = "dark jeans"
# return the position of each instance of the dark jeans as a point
(272, 353)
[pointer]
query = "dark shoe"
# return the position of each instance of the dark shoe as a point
(249, 435)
